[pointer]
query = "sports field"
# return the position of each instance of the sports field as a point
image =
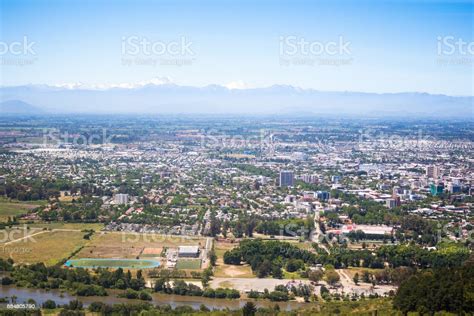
(188, 264)
(112, 263)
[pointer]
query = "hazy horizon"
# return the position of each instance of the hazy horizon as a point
(380, 47)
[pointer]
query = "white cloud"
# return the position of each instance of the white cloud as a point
(69, 86)
(236, 85)
(104, 86)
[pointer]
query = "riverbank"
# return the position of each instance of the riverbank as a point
(60, 297)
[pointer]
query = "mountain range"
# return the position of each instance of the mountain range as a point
(169, 98)
(18, 107)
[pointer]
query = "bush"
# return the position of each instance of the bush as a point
(90, 290)
(253, 294)
(220, 293)
(130, 294)
(209, 293)
(49, 304)
(231, 293)
(294, 265)
(7, 281)
(145, 296)
(278, 296)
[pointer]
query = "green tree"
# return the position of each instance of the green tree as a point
(277, 273)
(332, 277)
(315, 275)
(249, 309)
(356, 279)
(212, 257)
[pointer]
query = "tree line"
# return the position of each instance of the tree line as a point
(443, 289)
(269, 257)
(78, 281)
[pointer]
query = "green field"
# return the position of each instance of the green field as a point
(112, 263)
(43, 246)
(188, 264)
(15, 208)
(71, 226)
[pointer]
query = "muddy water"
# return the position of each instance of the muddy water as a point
(40, 296)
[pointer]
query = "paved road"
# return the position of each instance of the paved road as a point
(206, 250)
(317, 235)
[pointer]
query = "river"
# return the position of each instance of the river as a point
(40, 296)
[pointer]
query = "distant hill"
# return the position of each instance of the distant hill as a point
(168, 98)
(18, 107)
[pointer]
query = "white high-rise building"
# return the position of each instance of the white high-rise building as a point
(121, 198)
(309, 178)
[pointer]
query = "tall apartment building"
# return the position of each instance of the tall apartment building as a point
(121, 198)
(309, 178)
(287, 178)
(432, 172)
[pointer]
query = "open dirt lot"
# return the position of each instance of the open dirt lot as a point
(229, 271)
(247, 284)
(129, 246)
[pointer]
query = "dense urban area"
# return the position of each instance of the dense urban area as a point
(226, 215)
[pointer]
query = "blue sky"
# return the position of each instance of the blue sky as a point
(393, 45)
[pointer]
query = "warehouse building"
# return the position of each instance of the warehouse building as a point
(188, 251)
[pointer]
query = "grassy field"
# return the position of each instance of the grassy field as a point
(15, 208)
(73, 226)
(110, 263)
(130, 246)
(47, 247)
(291, 275)
(188, 264)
